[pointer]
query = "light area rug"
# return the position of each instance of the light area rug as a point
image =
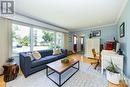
(85, 77)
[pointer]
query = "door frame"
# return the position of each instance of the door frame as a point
(75, 48)
(81, 44)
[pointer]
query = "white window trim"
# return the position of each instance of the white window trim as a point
(31, 35)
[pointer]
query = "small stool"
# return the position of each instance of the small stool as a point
(11, 71)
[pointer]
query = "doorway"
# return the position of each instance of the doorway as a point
(82, 43)
(75, 43)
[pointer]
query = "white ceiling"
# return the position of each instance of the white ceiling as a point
(72, 14)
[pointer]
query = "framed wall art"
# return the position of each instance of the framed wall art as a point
(96, 33)
(122, 30)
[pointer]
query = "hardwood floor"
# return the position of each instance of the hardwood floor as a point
(122, 84)
(2, 83)
(86, 60)
(74, 56)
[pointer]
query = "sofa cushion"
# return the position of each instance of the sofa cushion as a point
(45, 53)
(39, 62)
(44, 60)
(60, 56)
(51, 58)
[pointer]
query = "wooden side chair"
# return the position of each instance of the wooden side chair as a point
(96, 60)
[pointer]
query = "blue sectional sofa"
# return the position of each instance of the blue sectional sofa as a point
(29, 66)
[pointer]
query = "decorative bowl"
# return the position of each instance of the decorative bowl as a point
(65, 61)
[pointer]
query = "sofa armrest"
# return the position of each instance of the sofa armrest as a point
(25, 63)
(64, 51)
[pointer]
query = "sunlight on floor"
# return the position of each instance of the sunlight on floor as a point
(2, 83)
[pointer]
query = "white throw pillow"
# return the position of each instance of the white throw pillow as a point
(36, 55)
(59, 50)
(55, 51)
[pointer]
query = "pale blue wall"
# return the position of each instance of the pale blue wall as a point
(113, 31)
(107, 33)
(125, 41)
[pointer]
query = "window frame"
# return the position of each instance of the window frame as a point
(12, 38)
(42, 30)
(32, 27)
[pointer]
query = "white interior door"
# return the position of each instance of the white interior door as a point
(92, 44)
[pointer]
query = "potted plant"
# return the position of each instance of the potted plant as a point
(11, 59)
(113, 74)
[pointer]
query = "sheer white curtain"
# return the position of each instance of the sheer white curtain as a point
(5, 41)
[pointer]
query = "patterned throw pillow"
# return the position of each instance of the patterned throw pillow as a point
(56, 51)
(36, 55)
(59, 50)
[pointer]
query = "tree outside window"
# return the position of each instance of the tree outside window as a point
(21, 40)
(40, 39)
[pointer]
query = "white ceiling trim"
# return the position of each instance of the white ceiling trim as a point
(24, 19)
(39, 20)
(102, 26)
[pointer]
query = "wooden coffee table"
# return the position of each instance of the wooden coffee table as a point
(60, 68)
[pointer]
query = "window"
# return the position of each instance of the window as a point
(59, 40)
(27, 38)
(42, 39)
(21, 40)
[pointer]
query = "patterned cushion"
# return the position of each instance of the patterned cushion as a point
(36, 55)
(55, 51)
(59, 51)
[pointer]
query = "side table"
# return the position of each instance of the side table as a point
(11, 71)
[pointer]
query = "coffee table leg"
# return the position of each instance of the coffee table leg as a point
(78, 65)
(59, 80)
(47, 71)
